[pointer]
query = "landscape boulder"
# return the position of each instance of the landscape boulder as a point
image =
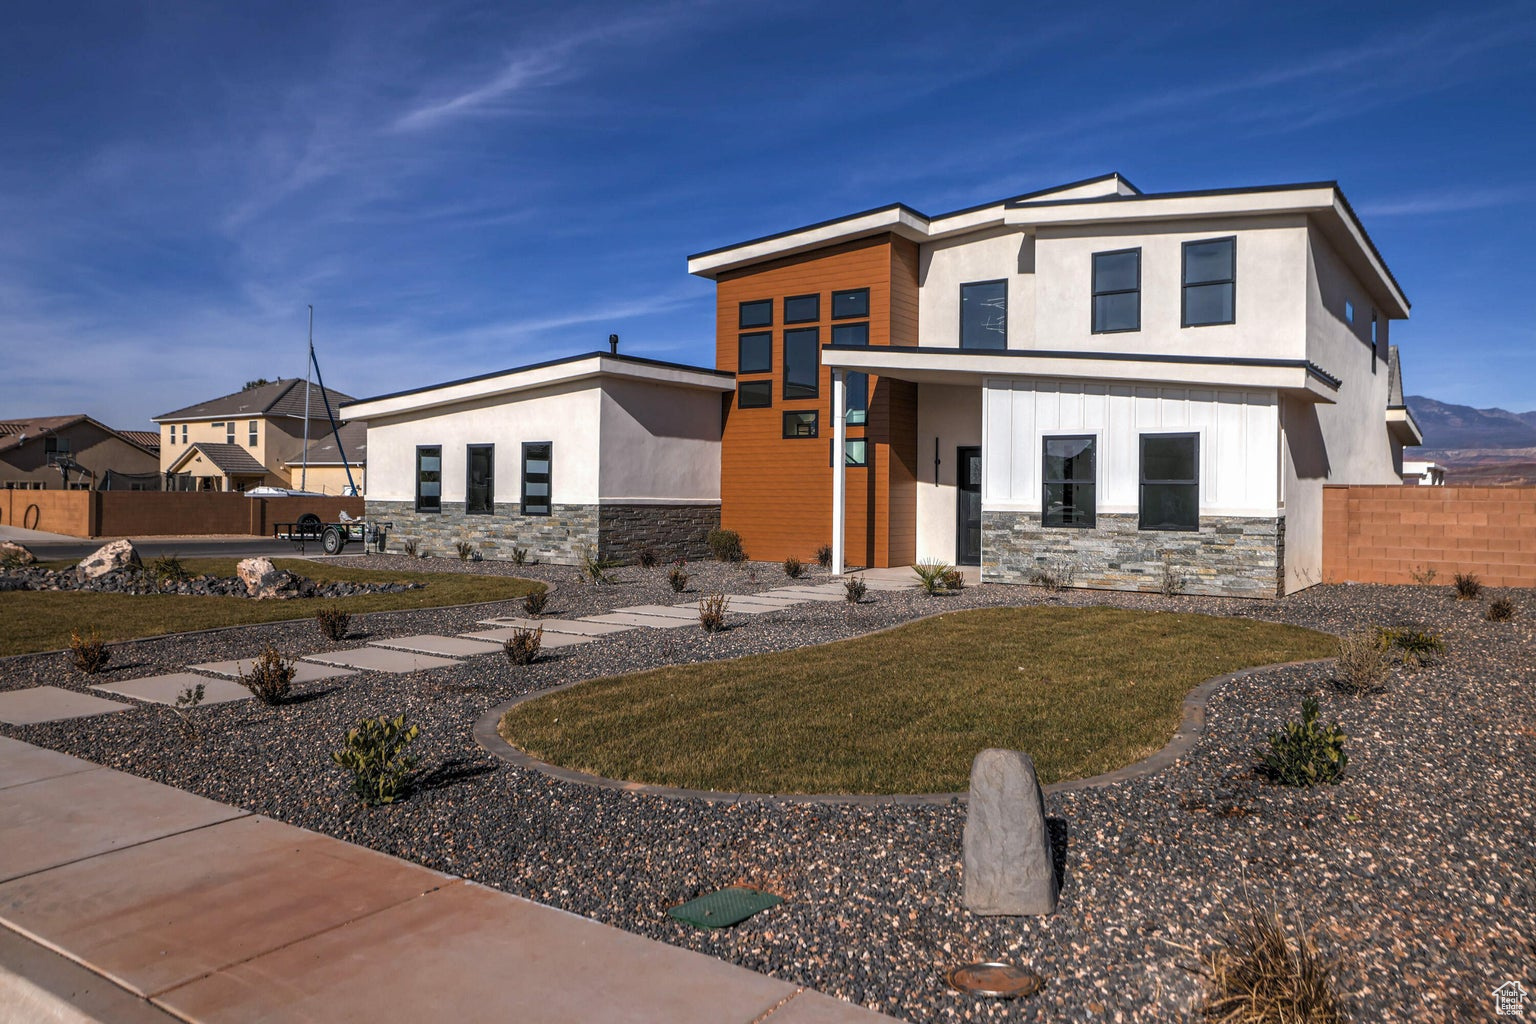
(264, 581)
(120, 554)
(15, 554)
(1008, 862)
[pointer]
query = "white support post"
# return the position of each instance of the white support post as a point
(839, 470)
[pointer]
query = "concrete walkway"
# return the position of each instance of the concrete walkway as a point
(124, 900)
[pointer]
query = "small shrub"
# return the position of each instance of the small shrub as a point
(522, 647)
(1362, 663)
(89, 652)
(1264, 978)
(1174, 581)
(168, 569)
(677, 576)
(1412, 646)
(519, 555)
(1424, 576)
(189, 698)
(793, 568)
(410, 546)
(1501, 609)
(854, 589)
(534, 601)
(333, 622)
(465, 549)
(1055, 574)
(725, 545)
(953, 580)
(648, 557)
(374, 752)
(824, 556)
(1468, 586)
(930, 575)
(596, 570)
(271, 677)
(1305, 753)
(712, 611)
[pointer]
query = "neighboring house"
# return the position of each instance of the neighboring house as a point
(602, 454)
(1423, 474)
(74, 453)
(1087, 382)
(243, 440)
(323, 469)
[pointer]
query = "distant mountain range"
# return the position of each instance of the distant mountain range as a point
(1477, 446)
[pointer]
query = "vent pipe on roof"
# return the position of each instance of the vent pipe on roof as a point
(613, 344)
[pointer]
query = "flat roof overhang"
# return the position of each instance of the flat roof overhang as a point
(1402, 426)
(1296, 377)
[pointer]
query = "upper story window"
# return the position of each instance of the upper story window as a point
(757, 313)
(857, 399)
(802, 370)
(1170, 482)
(251, 433)
(850, 304)
(1117, 291)
(851, 334)
(537, 459)
(1349, 312)
(54, 448)
(800, 424)
(183, 433)
(429, 478)
(802, 309)
(1210, 282)
(754, 394)
(984, 315)
(1375, 340)
(754, 352)
(171, 430)
(229, 432)
(1068, 478)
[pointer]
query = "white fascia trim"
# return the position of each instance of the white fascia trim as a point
(1401, 425)
(898, 221)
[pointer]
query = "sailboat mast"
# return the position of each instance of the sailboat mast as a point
(308, 362)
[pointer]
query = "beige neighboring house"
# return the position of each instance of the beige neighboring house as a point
(243, 440)
(50, 453)
(326, 470)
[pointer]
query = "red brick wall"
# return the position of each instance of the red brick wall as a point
(1385, 534)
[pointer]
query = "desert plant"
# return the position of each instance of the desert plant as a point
(1305, 753)
(189, 698)
(374, 752)
(648, 557)
(168, 569)
(1361, 665)
(519, 555)
(271, 677)
(824, 556)
(1174, 581)
(522, 646)
(410, 546)
(1468, 586)
(1262, 977)
(534, 601)
(952, 580)
(333, 622)
(1411, 646)
(465, 548)
(930, 575)
(854, 589)
(1053, 574)
(1424, 576)
(677, 576)
(712, 611)
(725, 545)
(793, 567)
(89, 653)
(1501, 609)
(596, 570)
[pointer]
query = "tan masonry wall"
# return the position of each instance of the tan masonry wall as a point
(161, 513)
(1385, 534)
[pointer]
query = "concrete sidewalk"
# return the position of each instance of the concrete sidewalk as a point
(126, 900)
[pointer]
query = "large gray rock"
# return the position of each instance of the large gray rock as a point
(15, 554)
(264, 581)
(120, 554)
(1009, 867)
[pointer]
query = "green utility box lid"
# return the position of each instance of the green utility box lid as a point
(724, 908)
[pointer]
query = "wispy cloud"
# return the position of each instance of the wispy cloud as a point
(1451, 200)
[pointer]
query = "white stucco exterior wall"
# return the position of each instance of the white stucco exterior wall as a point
(953, 415)
(659, 444)
(1001, 254)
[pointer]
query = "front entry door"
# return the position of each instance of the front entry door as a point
(968, 506)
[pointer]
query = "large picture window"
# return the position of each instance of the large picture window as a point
(480, 480)
(1117, 291)
(802, 372)
(1170, 481)
(429, 478)
(984, 315)
(1210, 282)
(537, 456)
(1068, 476)
(757, 313)
(754, 352)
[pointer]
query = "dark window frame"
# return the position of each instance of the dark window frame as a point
(845, 326)
(490, 496)
(252, 435)
(815, 415)
(848, 406)
(549, 479)
(980, 348)
(767, 389)
(831, 444)
(741, 314)
(1046, 482)
(814, 390)
(1096, 292)
(849, 316)
(1143, 483)
(1185, 286)
(813, 319)
(437, 499)
(1375, 341)
(741, 340)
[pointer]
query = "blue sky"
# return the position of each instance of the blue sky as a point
(459, 188)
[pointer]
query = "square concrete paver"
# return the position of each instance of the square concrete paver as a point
(649, 621)
(21, 763)
(377, 659)
(578, 627)
(680, 611)
(468, 953)
(551, 640)
(808, 593)
(448, 646)
(54, 988)
(60, 820)
(165, 689)
(303, 671)
(756, 605)
(165, 912)
(52, 704)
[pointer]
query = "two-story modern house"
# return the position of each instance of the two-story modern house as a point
(1088, 382)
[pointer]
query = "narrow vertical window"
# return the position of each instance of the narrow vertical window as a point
(802, 367)
(984, 315)
(429, 478)
(480, 480)
(1170, 481)
(1375, 352)
(857, 400)
(1117, 291)
(183, 433)
(229, 432)
(251, 433)
(1210, 282)
(537, 456)
(1068, 477)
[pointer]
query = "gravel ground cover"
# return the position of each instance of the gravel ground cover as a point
(1418, 869)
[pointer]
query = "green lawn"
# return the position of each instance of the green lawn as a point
(1082, 690)
(42, 620)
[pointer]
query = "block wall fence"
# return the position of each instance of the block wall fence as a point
(161, 513)
(1384, 534)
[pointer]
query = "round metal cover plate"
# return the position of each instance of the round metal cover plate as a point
(1007, 981)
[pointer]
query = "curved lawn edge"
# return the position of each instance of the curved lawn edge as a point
(1190, 729)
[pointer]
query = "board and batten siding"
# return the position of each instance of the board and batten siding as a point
(1239, 439)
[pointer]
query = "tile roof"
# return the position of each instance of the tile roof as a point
(15, 433)
(280, 398)
(354, 442)
(226, 458)
(143, 438)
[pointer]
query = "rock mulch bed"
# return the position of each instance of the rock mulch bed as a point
(138, 582)
(1418, 868)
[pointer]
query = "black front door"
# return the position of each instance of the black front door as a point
(968, 506)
